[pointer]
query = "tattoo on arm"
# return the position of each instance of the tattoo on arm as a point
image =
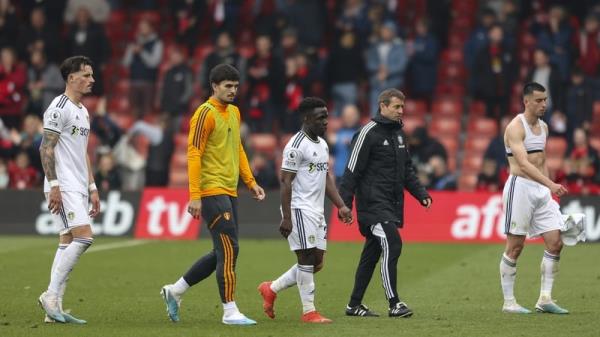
(47, 154)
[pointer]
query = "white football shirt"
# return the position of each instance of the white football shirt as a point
(72, 123)
(309, 160)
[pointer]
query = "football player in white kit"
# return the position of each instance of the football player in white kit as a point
(305, 180)
(528, 205)
(69, 183)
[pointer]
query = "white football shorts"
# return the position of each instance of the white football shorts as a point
(529, 208)
(309, 230)
(75, 211)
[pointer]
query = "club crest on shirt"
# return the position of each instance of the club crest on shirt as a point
(311, 239)
(71, 216)
(227, 216)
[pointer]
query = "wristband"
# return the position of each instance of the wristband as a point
(53, 183)
(93, 187)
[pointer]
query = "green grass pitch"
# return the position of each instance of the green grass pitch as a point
(454, 290)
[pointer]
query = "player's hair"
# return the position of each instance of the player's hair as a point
(386, 96)
(530, 87)
(309, 104)
(224, 72)
(73, 64)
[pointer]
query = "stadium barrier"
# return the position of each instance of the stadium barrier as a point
(158, 213)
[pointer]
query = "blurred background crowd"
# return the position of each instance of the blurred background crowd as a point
(462, 64)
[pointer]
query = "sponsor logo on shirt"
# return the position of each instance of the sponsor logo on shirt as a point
(318, 167)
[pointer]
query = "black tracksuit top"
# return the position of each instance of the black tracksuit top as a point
(378, 171)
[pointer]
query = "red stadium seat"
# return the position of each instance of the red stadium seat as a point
(450, 143)
(453, 55)
(595, 142)
(476, 144)
(556, 147)
(477, 108)
(284, 139)
(412, 122)
(597, 110)
(482, 126)
(445, 126)
(554, 163)
(448, 107)
(415, 107)
(263, 142)
(450, 89)
(91, 103)
(202, 51)
(453, 71)
(119, 105)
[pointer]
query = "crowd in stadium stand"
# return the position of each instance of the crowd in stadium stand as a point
(462, 64)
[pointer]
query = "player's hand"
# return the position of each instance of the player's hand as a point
(95, 200)
(195, 208)
(558, 189)
(257, 192)
(427, 202)
(285, 227)
(345, 215)
(55, 200)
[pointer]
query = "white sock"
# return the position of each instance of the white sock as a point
(306, 286)
(549, 269)
(286, 280)
(230, 309)
(57, 256)
(67, 261)
(508, 273)
(180, 287)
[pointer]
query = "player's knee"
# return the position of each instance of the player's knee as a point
(514, 251)
(555, 247)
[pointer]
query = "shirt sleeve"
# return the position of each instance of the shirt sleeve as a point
(292, 158)
(201, 126)
(245, 171)
(55, 120)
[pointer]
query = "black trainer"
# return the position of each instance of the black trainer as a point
(400, 310)
(361, 311)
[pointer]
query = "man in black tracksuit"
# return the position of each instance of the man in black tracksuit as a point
(378, 171)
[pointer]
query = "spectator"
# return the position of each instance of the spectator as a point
(386, 63)
(496, 150)
(264, 171)
(21, 174)
(9, 26)
(176, 87)
(107, 177)
(439, 177)
(353, 17)
(99, 9)
(187, 15)
(88, 38)
(266, 86)
(581, 173)
(579, 102)
(477, 40)
(340, 141)
(294, 93)
(107, 131)
(439, 12)
(160, 152)
(555, 35)
(493, 73)
(44, 83)
(143, 57)
(4, 177)
(29, 140)
(342, 83)
(224, 52)
(422, 147)
(547, 75)
(423, 62)
(588, 46)
(307, 17)
(488, 179)
(508, 17)
(39, 36)
(13, 77)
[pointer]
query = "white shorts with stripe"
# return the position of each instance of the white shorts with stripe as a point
(75, 211)
(309, 230)
(529, 208)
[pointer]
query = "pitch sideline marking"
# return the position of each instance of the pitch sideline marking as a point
(117, 245)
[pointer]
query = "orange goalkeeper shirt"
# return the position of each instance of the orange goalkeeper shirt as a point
(216, 157)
